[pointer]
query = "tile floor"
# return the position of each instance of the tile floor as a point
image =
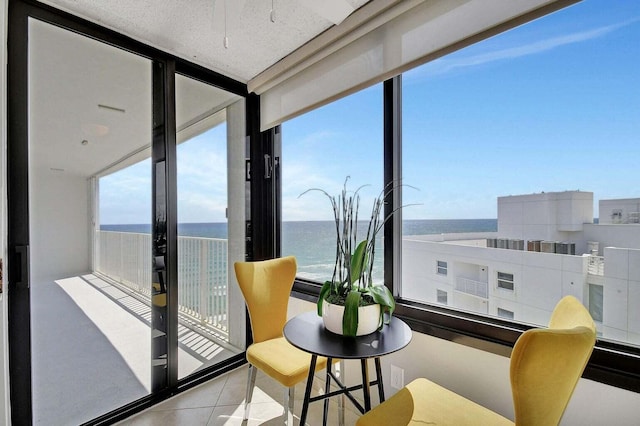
(221, 402)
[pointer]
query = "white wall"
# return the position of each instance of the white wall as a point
(628, 207)
(613, 235)
(236, 154)
(621, 310)
(59, 225)
(4, 372)
(484, 378)
(553, 216)
(541, 279)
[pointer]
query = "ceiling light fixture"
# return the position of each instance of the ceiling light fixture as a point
(225, 40)
(111, 108)
(272, 15)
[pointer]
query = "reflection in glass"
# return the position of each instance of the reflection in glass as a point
(203, 232)
(89, 118)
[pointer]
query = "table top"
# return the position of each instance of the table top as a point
(306, 331)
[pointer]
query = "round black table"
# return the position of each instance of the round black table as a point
(306, 332)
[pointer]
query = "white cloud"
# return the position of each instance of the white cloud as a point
(447, 64)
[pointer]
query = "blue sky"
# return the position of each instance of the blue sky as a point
(552, 105)
(202, 184)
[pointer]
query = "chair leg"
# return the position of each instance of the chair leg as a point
(251, 382)
(289, 398)
(341, 397)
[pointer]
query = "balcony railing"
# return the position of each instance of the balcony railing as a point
(596, 265)
(125, 257)
(475, 288)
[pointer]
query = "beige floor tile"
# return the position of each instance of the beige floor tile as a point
(204, 395)
(224, 400)
(239, 375)
(268, 391)
(261, 414)
(188, 416)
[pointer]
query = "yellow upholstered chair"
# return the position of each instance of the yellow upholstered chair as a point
(266, 287)
(545, 367)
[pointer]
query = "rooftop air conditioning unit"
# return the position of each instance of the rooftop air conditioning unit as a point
(548, 246)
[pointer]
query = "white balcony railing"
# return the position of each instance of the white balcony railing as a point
(475, 288)
(596, 265)
(125, 257)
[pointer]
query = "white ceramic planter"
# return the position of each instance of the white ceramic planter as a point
(368, 318)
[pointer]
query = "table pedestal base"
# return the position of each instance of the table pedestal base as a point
(343, 390)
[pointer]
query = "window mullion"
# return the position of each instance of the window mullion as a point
(392, 98)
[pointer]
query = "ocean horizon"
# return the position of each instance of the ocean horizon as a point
(313, 242)
(409, 227)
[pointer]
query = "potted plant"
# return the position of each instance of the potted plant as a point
(350, 303)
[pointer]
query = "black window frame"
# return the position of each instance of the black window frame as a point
(611, 363)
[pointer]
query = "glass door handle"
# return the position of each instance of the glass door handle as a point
(22, 258)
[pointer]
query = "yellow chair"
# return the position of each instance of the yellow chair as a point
(545, 367)
(266, 287)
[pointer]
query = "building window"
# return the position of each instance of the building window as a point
(595, 301)
(504, 313)
(505, 281)
(442, 297)
(441, 267)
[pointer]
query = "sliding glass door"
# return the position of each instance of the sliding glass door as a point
(115, 159)
(89, 114)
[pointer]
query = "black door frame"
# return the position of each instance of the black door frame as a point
(17, 289)
(18, 292)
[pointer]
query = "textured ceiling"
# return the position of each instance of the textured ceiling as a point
(195, 29)
(72, 78)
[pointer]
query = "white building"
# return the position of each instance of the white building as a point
(523, 269)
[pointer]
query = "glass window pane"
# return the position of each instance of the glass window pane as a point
(320, 150)
(89, 114)
(595, 301)
(504, 313)
(206, 333)
(442, 268)
(524, 147)
(442, 297)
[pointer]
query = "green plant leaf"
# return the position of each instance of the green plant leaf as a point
(350, 316)
(358, 261)
(382, 296)
(326, 288)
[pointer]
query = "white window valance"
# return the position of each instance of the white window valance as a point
(379, 41)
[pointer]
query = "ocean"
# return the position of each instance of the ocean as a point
(313, 242)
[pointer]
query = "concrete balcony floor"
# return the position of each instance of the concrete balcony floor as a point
(91, 349)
